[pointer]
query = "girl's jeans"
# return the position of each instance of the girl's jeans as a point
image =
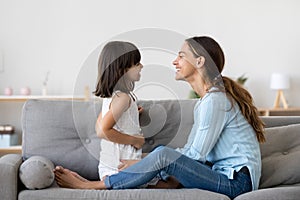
(190, 173)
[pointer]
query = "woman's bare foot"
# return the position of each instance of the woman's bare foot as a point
(69, 179)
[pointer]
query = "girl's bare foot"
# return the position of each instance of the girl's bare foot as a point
(65, 178)
(60, 168)
(68, 179)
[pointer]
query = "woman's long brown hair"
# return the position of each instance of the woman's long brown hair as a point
(214, 63)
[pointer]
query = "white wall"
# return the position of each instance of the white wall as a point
(62, 36)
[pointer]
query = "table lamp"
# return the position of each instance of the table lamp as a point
(280, 82)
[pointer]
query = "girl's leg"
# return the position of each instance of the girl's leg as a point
(190, 173)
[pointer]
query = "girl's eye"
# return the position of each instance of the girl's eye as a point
(137, 64)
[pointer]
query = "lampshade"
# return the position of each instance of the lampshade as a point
(279, 81)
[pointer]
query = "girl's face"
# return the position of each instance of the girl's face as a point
(134, 72)
(185, 63)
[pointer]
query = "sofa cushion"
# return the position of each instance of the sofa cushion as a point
(64, 132)
(279, 193)
(128, 194)
(166, 122)
(37, 172)
(280, 156)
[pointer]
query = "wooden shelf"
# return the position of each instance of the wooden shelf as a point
(11, 150)
(279, 111)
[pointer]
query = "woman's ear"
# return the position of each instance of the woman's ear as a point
(200, 61)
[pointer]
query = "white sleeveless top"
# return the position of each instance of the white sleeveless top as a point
(111, 153)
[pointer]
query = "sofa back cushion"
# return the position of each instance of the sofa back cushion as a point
(166, 122)
(281, 156)
(62, 131)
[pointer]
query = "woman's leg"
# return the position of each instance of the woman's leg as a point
(190, 173)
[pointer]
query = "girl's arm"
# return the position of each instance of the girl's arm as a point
(104, 126)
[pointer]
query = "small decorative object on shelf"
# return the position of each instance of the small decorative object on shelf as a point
(193, 95)
(25, 91)
(280, 82)
(8, 91)
(44, 90)
(45, 82)
(5, 133)
(242, 79)
(87, 94)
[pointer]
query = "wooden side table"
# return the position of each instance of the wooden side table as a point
(11, 150)
(279, 111)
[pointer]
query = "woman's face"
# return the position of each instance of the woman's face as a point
(185, 63)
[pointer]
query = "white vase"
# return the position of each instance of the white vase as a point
(44, 91)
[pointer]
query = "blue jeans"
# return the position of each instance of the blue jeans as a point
(190, 173)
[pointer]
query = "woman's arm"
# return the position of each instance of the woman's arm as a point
(104, 126)
(208, 125)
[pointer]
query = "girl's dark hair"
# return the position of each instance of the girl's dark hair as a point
(114, 61)
(214, 64)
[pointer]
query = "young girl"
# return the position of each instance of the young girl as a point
(118, 124)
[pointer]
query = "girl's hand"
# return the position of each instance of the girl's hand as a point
(140, 109)
(139, 141)
(126, 163)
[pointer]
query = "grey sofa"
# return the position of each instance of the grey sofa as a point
(63, 131)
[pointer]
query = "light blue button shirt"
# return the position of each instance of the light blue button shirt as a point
(222, 136)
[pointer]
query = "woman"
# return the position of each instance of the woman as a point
(222, 152)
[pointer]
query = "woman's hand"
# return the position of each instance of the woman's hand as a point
(126, 163)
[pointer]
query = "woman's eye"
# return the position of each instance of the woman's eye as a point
(137, 64)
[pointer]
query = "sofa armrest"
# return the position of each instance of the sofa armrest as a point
(9, 167)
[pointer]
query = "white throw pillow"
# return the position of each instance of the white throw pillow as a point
(37, 172)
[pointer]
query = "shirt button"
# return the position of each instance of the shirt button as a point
(87, 140)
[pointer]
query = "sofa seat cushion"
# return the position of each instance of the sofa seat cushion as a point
(280, 156)
(278, 193)
(151, 194)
